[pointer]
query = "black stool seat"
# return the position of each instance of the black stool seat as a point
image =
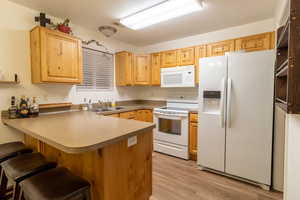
(23, 166)
(58, 184)
(12, 149)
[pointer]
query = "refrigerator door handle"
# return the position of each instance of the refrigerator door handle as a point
(229, 88)
(222, 103)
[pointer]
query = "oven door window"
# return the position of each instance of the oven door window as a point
(169, 126)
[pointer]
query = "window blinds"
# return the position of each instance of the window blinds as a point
(98, 70)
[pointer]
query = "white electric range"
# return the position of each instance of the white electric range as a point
(172, 127)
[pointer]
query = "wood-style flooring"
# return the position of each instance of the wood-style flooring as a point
(176, 179)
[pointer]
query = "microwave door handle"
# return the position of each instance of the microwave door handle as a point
(222, 103)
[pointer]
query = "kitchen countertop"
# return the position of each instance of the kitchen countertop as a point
(79, 131)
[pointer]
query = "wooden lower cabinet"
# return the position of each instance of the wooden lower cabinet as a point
(129, 115)
(114, 115)
(145, 115)
(193, 136)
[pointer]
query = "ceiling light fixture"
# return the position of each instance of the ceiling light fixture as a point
(108, 31)
(161, 12)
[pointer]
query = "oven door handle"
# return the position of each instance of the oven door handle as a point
(167, 116)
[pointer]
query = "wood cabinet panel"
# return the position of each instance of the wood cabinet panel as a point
(155, 68)
(55, 57)
(255, 42)
(193, 117)
(145, 115)
(141, 70)
(129, 115)
(186, 56)
(193, 137)
(220, 48)
(114, 115)
(124, 68)
(169, 58)
(200, 52)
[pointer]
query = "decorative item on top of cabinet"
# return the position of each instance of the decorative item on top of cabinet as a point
(145, 115)
(220, 48)
(169, 58)
(129, 115)
(124, 68)
(55, 57)
(255, 42)
(186, 56)
(200, 52)
(141, 70)
(155, 69)
(193, 136)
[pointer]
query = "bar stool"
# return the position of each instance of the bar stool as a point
(7, 151)
(58, 184)
(24, 166)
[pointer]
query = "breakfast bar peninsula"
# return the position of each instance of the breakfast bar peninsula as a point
(113, 154)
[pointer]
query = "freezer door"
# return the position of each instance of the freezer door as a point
(212, 100)
(250, 115)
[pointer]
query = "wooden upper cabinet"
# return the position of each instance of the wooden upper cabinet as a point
(124, 68)
(141, 71)
(155, 68)
(255, 42)
(169, 58)
(55, 57)
(186, 56)
(220, 48)
(200, 52)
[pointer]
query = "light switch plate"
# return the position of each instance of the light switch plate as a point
(132, 141)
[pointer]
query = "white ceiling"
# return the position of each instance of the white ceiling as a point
(217, 14)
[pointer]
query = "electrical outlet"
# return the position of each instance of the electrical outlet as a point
(132, 141)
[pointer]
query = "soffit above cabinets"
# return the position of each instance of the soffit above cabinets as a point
(216, 15)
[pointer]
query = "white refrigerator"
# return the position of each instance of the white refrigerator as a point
(236, 115)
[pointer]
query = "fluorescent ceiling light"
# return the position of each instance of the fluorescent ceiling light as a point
(162, 12)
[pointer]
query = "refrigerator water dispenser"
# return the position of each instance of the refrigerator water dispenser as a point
(211, 102)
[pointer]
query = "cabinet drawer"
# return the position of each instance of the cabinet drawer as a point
(193, 117)
(128, 115)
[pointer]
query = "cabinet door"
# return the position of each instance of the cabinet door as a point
(193, 140)
(169, 58)
(254, 43)
(124, 68)
(61, 57)
(129, 115)
(155, 69)
(200, 52)
(220, 48)
(186, 56)
(114, 115)
(142, 70)
(144, 115)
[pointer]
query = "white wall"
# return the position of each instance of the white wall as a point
(292, 159)
(15, 24)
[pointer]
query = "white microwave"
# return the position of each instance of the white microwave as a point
(183, 76)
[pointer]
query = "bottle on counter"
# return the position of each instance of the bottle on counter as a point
(13, 110)
(23, 108)
(85, 105)
(34, 108)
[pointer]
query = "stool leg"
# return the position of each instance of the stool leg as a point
(3, 184)
(87, 194)
(16, 192)
(21, 196)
